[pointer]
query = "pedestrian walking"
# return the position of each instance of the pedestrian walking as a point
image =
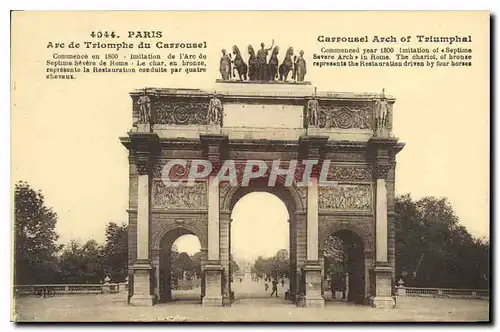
(266, 286)
(275, 288)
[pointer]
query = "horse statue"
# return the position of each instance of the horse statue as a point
(287, 64)
(239, 64)
(273, 64)
(252, 64)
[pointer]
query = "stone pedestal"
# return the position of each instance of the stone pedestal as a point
(313, 297)
(142, 287)
(381, 277)
(213, 290)
(143, 127)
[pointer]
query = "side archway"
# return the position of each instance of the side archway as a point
(162, 260)
(357, 240)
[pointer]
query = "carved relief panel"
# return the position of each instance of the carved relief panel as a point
(180, 197)
(192, 112)
(350, 173)
(345, 197)
(345, 117)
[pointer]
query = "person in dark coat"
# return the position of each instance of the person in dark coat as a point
(275, 288)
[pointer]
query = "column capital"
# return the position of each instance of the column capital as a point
(143, 163)
(381, 170)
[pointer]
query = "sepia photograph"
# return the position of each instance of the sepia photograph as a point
(250, 166)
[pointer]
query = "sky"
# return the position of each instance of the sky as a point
(65, 135)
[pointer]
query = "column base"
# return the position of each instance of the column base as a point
(382, 302)
(142, 284)
(382, 287)
(140, 300)
(213, 284)
(313, 296)
(212, 301)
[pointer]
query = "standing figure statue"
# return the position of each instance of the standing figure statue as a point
(312, 112)
(214, 111)
(225, 66)
(144, 104)
(253, 66)
(239, 64)
(287, 64)
(294, 71)
(273, 64)
(300, 64)
(382, 110)
(263, 70)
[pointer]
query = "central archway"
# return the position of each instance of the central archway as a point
(293, 199)
(260, 246)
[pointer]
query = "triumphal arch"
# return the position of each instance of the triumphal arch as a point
(273, 122)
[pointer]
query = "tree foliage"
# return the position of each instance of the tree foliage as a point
(82, 263)
(35, 247)
(116, 252)
(335, 256)
(277, 266)
(433, 250)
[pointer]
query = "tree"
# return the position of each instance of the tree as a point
(82, 263)
(197, 258)
(335, 256)
(433, 250)
(116, 252)
(182, 263)
(35, 237)
(277, 266)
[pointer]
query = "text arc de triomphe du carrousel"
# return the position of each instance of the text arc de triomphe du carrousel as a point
(255, 112)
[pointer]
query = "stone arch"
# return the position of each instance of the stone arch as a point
(162, 243)
(294, 197)
(359, 231)
(362, 229)
(183, 229)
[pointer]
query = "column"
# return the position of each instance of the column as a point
(142, 268)
(293, 259)
(312, 220)
(312, 267)
(155, 253)
(322, 264)
(381, 221)
(382, 271)
(225, 256)
(204, 256)
(212, 267)
(213, 218)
